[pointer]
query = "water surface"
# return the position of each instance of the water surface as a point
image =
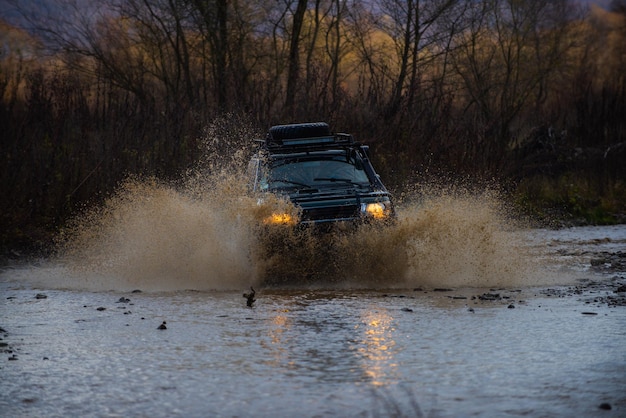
(412, 347)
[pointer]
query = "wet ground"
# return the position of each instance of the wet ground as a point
(551, 349)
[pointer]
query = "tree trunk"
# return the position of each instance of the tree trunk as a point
(294, 57)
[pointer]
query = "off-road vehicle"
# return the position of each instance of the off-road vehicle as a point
(327, 176)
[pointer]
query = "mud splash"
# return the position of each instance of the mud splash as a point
(458, 238)
(206, 232)
(152, 236)
(155, 236)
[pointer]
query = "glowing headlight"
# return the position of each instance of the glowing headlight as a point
(377, 210)
(280, 219)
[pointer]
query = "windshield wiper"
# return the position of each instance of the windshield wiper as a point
(304, 188)
(291, 182)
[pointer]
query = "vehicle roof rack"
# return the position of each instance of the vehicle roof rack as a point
(305, 137)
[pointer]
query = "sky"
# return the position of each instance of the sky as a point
(8, 10)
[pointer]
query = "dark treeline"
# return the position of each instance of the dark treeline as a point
(529, 93)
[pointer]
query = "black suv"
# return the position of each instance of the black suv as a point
(327, 176)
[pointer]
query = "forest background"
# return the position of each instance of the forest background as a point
(528, 94)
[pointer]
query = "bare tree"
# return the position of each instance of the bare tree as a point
(413, 26)
(293, 73)
(212, 21)
(505, 59)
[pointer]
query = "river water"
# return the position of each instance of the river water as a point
(480, 320)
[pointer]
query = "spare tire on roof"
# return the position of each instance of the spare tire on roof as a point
(299, 130)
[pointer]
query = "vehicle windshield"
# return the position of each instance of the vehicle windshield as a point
(309, 173)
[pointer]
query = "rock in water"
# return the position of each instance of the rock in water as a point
(250, 297)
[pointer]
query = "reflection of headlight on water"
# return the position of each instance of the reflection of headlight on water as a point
(377, 347)
(280, 219)
(377, 210)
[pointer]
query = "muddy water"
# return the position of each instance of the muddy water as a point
(457, 310)
(152, 236)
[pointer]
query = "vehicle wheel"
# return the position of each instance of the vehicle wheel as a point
(299, 130)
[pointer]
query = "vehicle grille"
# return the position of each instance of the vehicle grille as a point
(330, 213)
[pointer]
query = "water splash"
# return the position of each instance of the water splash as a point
(206, 232)
(467, 239)
(192, 234)
(154, 236)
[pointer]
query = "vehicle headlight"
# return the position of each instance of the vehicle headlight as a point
(377, 210)
(280, 219)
